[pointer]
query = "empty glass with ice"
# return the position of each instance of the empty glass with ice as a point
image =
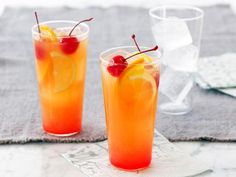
(177, 31)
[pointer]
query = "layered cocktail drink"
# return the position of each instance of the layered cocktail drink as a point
(130, 79)
(61, 52)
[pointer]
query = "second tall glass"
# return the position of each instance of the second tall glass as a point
(130, 101)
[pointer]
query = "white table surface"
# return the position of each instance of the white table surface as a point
(44, 160)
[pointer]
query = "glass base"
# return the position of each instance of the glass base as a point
(175, 109)
(130, 170)
(62, 135)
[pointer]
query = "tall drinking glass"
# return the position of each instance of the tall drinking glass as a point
(60, 67)
(130, 101)
(177, 31)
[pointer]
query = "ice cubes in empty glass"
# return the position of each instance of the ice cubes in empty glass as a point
(177, 32)
(171, 33)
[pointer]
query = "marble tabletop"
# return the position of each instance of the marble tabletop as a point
(45, 160)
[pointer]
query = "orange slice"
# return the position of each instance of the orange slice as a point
(139, 59)
(63, 73)
(42, 68)
(136, 84)
(48, 33)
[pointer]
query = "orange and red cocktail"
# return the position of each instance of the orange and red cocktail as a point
(60, 65)
(130, 89)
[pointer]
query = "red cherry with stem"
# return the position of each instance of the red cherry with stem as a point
(119, 63)
(69, 44)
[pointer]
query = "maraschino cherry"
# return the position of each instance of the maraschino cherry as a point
(118, 63)
(70, 43)
(39, 50)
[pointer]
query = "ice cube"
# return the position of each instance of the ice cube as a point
(183, 59)
(173, 82)
(171, 34)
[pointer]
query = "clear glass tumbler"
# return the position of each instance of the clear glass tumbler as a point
(177, 31)
(130, 101)
(60, 67)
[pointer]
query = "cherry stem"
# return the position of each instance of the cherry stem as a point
(133, 37)
(140, 52)
(36, 16)
(86, 20)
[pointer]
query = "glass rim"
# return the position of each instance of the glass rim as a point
(189, 7)
(156, 61)
(35, 31)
